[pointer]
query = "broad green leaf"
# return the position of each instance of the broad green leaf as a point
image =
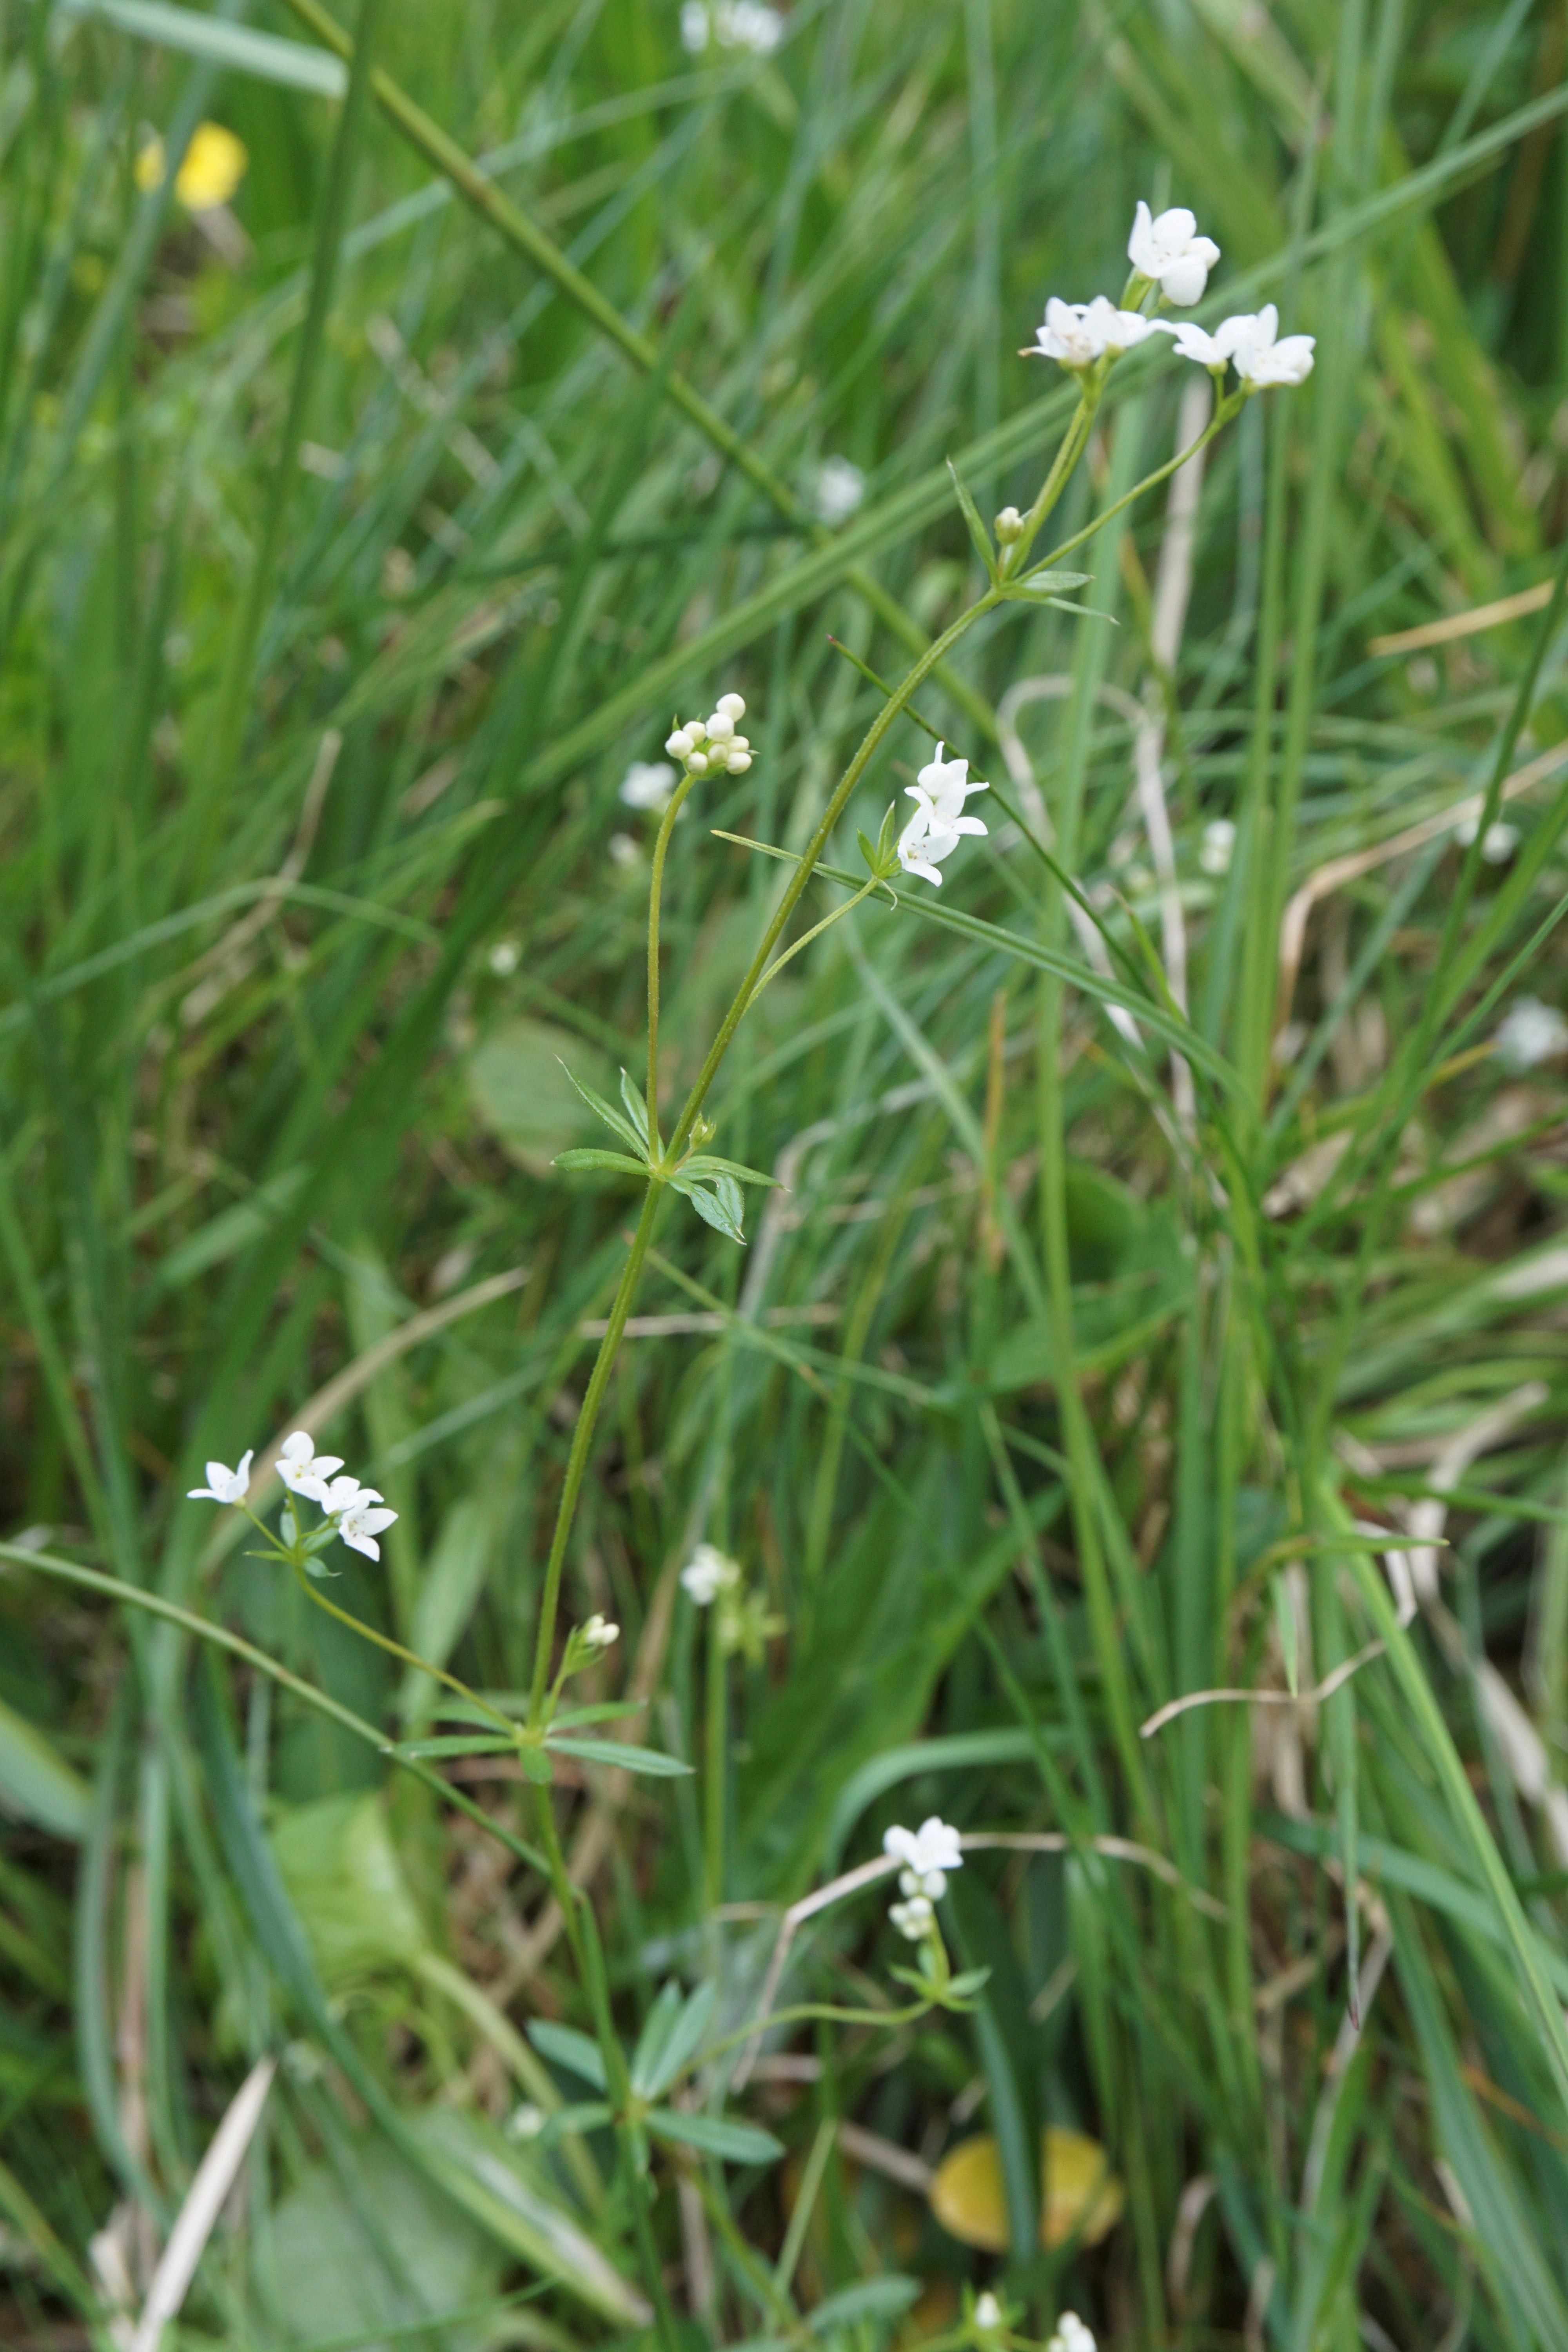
(734, 2143)
(524, 1090)
(346, 1882)
(612, 1751)
(36, 1784)
(873, 2298)
(710, 1208)
(565, 2046)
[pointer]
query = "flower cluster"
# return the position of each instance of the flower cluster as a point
(710, 745)
(939, 792)
(708, 1573)
(1252, 343)
(928, 1854)
(1071, 2334)
(731, 25)
(1170, 258)
(356, 1513)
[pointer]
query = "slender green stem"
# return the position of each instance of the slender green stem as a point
(874, 883)
(1074, 441)
(1226, 409)
(113, 1588)
(577, 1459)
(717, 1741)
(655, 890)
(395, 1649)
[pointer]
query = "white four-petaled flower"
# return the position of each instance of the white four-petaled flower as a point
(1169, 250)
(599, 1633)
(927, 1853)
(1261, 356)
(938, 824)
(304, 1471)
(362, 1522)
(224, 1486)
(1076, 334)
(1071, 2334)
(708, 1573)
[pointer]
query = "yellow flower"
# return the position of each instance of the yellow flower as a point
(215, 162)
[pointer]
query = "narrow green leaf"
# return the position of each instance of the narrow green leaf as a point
(36, 1784)
(582, 1158)
(636, 1108)
(612, 1751)
(977, 530)
(453, 1744)
(703, 1164)
(565, 2046)
(734, 2143)
(611, 1117)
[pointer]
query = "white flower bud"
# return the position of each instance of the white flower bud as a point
(731, 706)
(697, 729)
(740, 743)
(1009, 526)
(698, 762)
(738, 763)
(720, 727)
(679, 744)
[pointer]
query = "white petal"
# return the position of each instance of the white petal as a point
(298, 1446)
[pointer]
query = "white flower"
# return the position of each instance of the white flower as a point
(708, 1573)
(1219, 845)
(1529, 1033)
(1193, 344)
(504, 958)
(914, 1918)
(623, 851)
(224, 1486)
(839, 488)
(304, 1471)
(361, 1523)
(941, 790)
(599, 1633)
(648, 784)
(525, 2122)
(938, 824)
(1071, 2334)
(1251, 341)
(1170, 250)
(1079, 333)
(725, 748)
(340, 1493)
(927, 1854)
(1499, 844)
(733, 24)
(987, 2311)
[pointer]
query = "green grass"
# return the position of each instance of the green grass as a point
(351, 548)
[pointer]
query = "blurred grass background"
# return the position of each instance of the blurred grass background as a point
(347, 561)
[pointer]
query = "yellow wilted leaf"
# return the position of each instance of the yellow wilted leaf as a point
(1080, 2191)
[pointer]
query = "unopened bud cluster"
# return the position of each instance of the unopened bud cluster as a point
(711, 746)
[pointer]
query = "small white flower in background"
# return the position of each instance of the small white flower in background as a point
(224, 1486)
(1530, 1033)
(648, 784)
(732, 25)
(1499, 844)
(939, 824)
(1259, 357)
(927, 1854)
(525, 2122)
(304, 1471)
(599, 1633)
(840, 486)
(504, 958)
(712, 744)
(1076, 334)
(988, 2310)
(914, 1918)
(623, 851)
(1071, 2334)
(1219, 845)
(708, 1573)
(362, 1522)
(1169, 250)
